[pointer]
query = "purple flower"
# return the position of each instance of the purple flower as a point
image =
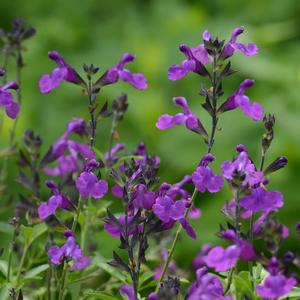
(204, 178)
(195, 57)
(137, 80)
(152, 296)
(166, 209)
(187, 117)
(232, 46)
(58, 200)
(238, 99)
(262, 200)
(143, 198)
(88, 185)
(7, 101)
(244, 168)
(222, 259)
(111, 156)
(275, 286)
(70, 251)
(48, 82)
(65, 165)
(206, 287)
(127, 291)
(199, 261)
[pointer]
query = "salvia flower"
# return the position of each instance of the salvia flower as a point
(239, 99)
(187, 117)
(69, 251)
(127, 291)
(118, 71)
(243, 169)
(63, 72)
(204, 178)
(57, 200)
(222, 259)
(195, 58)
(88, 184)
(275, 284)
(115, 229)
(7, 101)
(207, 286)
(250, 49)
(262, 200)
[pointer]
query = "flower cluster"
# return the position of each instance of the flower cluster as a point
(69, 251)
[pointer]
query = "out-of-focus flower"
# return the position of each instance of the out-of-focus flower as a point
(70, 251)
(187, 117)
(137, 80)
(49, 82)
(7, 101)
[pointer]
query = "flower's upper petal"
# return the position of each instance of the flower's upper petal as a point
(166, 121)
(137, 80)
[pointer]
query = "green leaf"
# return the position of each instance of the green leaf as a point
(98, 295)
(36, 271)
(3, 267)
(6, 228)
(32, 233)
(243, 283)
(109, 269)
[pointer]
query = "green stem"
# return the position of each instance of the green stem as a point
(214, 82)
(64, 272)
(11, 253)
(21, 263)
(172, 249)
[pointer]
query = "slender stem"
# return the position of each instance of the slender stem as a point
(10, 255)
(93, 122)
(228, 285)
(64, 272)
(21, 263)
(172, 249)
(237, 212)
(214, 83)
(52, 284)
(262, 162)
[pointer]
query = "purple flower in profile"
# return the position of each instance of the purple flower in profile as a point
(137, 80)
(89, 185)
(48, 82)
(70, 251)
(195, 58)
(238, 99)
(204, 178)
(127, 291)
(7, 101)
(111, 156)
(58, 200)
(222, 259)
(206, 287)
(187, 117)
(232, 46)
(243, 167)
(262, 200)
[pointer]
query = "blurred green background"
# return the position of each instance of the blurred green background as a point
(99, 32)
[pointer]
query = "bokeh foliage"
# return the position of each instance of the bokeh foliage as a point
(99, 32)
